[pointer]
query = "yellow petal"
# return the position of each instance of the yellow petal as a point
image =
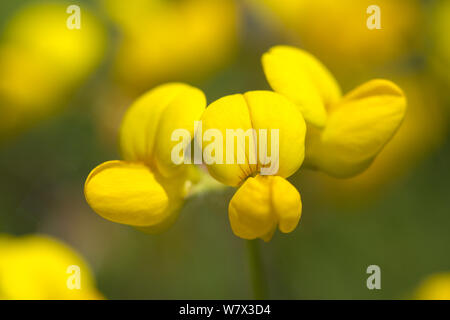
(357, 129)
(271, 111)
(126, 193)
(260, 111)
(303, 79)
(147, 127)
(262, 203)
(37, 267)
(176, 190)
(230, 112)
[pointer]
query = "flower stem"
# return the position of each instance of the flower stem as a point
(256, 270)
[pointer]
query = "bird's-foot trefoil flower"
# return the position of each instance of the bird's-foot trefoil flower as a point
(262, 202)
(345, 133)
(146, 189)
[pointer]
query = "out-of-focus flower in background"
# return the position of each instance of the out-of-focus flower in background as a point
(435, 287)
(345, 133)
(42, 61)
(337, 30)
(148, 189)
(38, 267)
(263, 202)
(171, 40)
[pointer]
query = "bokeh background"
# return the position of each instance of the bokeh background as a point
(63, 93)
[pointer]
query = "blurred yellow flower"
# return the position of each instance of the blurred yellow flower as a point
(41, 61)
(166, 40)
(147, 188)
(338, 32)
(345, 134)
(435, 287)
(262, 201)
(39, 267)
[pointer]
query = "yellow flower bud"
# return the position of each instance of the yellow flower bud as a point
(345, 139)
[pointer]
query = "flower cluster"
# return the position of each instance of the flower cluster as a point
(334, 133)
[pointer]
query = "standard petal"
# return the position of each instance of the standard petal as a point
(261, 117)
(357, 129)
(126, 193)
(147, 127)
(180, 114)
(303, 79)
(260, 204)
(271, 111)
(229, 113)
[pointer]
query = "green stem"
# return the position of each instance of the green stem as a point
(256, 270)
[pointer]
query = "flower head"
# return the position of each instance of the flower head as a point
(345, 133)
(146, 189)
(262, 201)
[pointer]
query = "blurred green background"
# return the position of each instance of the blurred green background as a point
(397, 215)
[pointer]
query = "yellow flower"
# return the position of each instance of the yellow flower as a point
(42, 61)
(147, 188)
(423, 130)
(166, 40)
(39, 267)
(344, 133)
(262, 201)
(435, 287)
